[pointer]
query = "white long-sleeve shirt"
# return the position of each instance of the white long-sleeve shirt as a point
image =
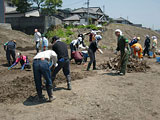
(37, 36)
(74, 42)
(49, 54)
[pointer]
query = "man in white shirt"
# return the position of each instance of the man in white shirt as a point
(37, 39)
(41, 67)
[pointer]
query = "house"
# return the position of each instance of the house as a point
(95, 16)
(72, 19)
(122, 21)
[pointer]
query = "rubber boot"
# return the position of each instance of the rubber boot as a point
(69, 82)
(49, 92)
(89, 65)
(94, 65)
(9, 63)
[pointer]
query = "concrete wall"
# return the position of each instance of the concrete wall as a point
(28, 24)
(2, 11)
(6, 26)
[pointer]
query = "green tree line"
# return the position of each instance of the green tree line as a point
(47, 7)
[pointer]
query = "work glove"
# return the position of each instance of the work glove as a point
(87, 47)
(126, 50)
(100, 51)
(9, 68)
(115, 52)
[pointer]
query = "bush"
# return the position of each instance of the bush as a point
(68, 32)
(68, 40)
(93, 27)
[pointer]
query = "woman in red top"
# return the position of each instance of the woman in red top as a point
(23, 61)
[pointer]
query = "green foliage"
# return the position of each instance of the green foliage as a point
(68, 40)
(111, 20)
(22, 5)
(57, 32)
(51, 5)
(68, 32)
(93, 27)
(103, 46)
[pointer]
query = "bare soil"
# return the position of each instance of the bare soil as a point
(96, 95)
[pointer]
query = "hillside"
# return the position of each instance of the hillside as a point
(109, 38)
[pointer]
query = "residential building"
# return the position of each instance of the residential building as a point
(95, 16)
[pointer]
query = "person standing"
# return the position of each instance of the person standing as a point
(93, 47)
(122, 46)
(10, 47)
(37, 39)
(154, 46)
(63, 60)
(41, 67)
(44, 43)
(147, 46)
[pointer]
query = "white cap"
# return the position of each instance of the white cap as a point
(147, 36)
(118, 30)
(80, 39)
(18, 54)
(94, 32)
(154, 37)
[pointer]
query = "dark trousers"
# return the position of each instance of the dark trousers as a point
(61, 65)
(42, 68)
(92, 59)
(37, 46)
(146, 50)
(27, 64)
(10, 53)
(73, 48)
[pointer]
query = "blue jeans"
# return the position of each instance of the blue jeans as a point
(42, 68)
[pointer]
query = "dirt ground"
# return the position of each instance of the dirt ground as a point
(96, 95)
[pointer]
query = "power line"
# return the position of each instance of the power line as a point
(88, 11)
(73, 3)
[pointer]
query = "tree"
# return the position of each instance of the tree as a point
(22, 5)
(39, 4)
(50, 6)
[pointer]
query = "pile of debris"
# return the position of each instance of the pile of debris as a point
(133, 65)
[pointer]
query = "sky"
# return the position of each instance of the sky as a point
(144, 12)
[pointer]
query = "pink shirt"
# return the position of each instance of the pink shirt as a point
(21, 58)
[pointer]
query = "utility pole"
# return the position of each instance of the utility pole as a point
(104, 9)
(88, 11)
(2, 11)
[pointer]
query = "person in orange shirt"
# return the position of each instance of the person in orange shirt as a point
(138, 49)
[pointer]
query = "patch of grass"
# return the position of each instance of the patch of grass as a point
(103, 46)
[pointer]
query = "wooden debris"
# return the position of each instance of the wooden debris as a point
(133, 65)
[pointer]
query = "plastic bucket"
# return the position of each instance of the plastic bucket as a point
(158, 59)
